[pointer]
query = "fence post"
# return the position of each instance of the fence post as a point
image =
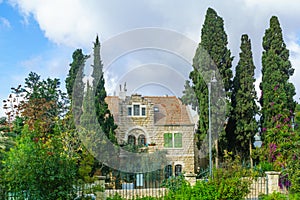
(191, 178)
(272, 181)
(100, 181)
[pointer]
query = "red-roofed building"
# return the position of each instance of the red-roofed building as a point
(156, 123)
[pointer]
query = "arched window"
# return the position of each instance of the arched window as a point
(168, 171)
(141, 140)
(178, 170)
(131, 139)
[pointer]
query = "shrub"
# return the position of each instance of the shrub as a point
(273, 196)
(174, 183)
(39, 168)
(227, 183)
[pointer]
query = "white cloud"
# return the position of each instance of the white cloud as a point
(75, 23)
(53, 63)
(4, 22)
(295, 60)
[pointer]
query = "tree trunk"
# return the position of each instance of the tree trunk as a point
(217, 153)
(250, 151)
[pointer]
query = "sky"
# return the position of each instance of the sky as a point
(40, 36)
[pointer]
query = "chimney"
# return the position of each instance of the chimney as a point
(122, 93)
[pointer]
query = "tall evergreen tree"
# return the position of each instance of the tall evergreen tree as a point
(277, 91)
(103, 114)
(89, 133)
(211, 54)
(76, 69)
(242, 125)
(75, 88)
(76, 75)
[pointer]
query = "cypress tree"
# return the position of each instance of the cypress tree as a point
(76, 75)
(212, 53)
(86, 163)
(89, 132)
(242, 124)
(214, 41)
(76, 69)
(277, 91)
(103, 114)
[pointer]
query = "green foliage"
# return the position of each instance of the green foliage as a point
(229, 179)
(105, 118)
(242, 125)
(281, 151)
(89, 133)
(189, 96)
(263, 167)
(294, 196)
(115, 197)
(85, 166)
(39, 167)
(227, 183)
(280, 140)
(212, 54)
(273, 196)
(76, 69)
(174, 183)
(44, 102)
(277, 91)
(214, 41)
(6, 141)
(297, 118)
(74, 82)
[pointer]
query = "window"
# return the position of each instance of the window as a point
(129, 111)
(177, 140)
(141, 140)
(156, 109)
(168, 171)
(136, 110)
(131, 140)
(173, 140)
(143, 111)
(168, 143)
(178, 169)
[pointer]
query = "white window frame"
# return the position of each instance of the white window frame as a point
(129, 107)
(141, 107)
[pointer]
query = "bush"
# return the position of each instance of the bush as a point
(273, 196)
(227, 183)
(39, 167)
(174, 183)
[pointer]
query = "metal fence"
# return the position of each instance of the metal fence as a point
(132, 185)
(82, 190)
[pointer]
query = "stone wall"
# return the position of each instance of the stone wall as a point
(138, 125)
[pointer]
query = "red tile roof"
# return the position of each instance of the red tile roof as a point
(171, 111)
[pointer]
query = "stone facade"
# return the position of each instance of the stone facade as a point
(149, 121)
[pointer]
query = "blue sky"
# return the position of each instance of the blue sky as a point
(40, 36)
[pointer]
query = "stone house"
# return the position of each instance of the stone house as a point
(156, 123)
